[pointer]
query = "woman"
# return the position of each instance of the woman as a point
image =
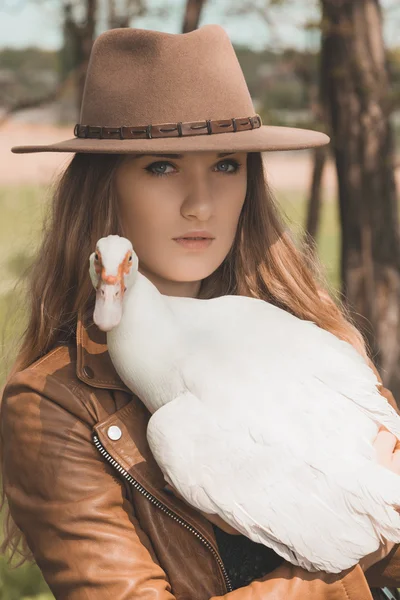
(85, 495)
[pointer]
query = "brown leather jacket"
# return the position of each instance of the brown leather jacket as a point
(85, 490)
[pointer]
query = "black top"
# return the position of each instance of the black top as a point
(245, 560)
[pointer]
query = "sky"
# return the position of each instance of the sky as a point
(37, 22)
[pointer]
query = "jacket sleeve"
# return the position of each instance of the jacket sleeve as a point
(69, 504)
(289, 582)
(385, 572)
(59, 491)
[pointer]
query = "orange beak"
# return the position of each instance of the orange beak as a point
(109, 279)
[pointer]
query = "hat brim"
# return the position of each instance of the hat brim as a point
(266, 138)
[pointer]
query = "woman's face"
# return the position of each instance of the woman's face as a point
(163, 196)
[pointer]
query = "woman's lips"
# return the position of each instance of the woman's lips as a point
(191, 244)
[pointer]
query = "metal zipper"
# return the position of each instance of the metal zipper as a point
(164, 508)
(388, 594)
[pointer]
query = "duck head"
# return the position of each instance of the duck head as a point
(112, 269)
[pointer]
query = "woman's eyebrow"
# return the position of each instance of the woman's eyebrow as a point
(177, 155)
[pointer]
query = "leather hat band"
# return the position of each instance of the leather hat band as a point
(180, 129)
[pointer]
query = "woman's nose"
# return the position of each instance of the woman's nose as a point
(198, 200)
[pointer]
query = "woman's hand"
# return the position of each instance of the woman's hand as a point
(213, 518)
(387, 450)
(388, 455)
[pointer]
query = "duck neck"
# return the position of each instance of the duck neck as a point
(141, 284)
(149, 342)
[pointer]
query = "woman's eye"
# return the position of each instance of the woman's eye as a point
(159, 168)
(228, 163)
(157, 165)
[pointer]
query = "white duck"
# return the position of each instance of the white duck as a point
(260, 417)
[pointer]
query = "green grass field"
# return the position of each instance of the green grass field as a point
(22, 209)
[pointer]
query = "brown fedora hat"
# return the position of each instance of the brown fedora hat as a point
(149, 91)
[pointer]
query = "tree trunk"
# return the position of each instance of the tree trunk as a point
(68, 51)
(320, 157)
(86, 35)
(123, 16)
(192, 15)
(314, 202)
(355, 88)
(113, 18)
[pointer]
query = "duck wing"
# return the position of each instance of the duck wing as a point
(304, 493)
(273, 431)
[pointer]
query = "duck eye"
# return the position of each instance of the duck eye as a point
(130, 258)
(96, 256)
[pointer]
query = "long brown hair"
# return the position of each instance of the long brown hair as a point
(264, 262)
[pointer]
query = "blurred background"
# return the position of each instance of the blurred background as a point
(331, 65)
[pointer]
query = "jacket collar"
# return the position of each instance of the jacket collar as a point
(94, 366)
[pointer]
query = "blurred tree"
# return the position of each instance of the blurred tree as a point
(78, 37)
(313, 213)
(78, 42)
(267, 11)
(304, 65)
(122, 14)
(191, 18)
(356, 91)
(68, 57)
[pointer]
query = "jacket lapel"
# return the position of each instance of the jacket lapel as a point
(131, 451)
(94, 365)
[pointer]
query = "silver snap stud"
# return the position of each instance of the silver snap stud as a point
(114, 432)
(88, 371)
